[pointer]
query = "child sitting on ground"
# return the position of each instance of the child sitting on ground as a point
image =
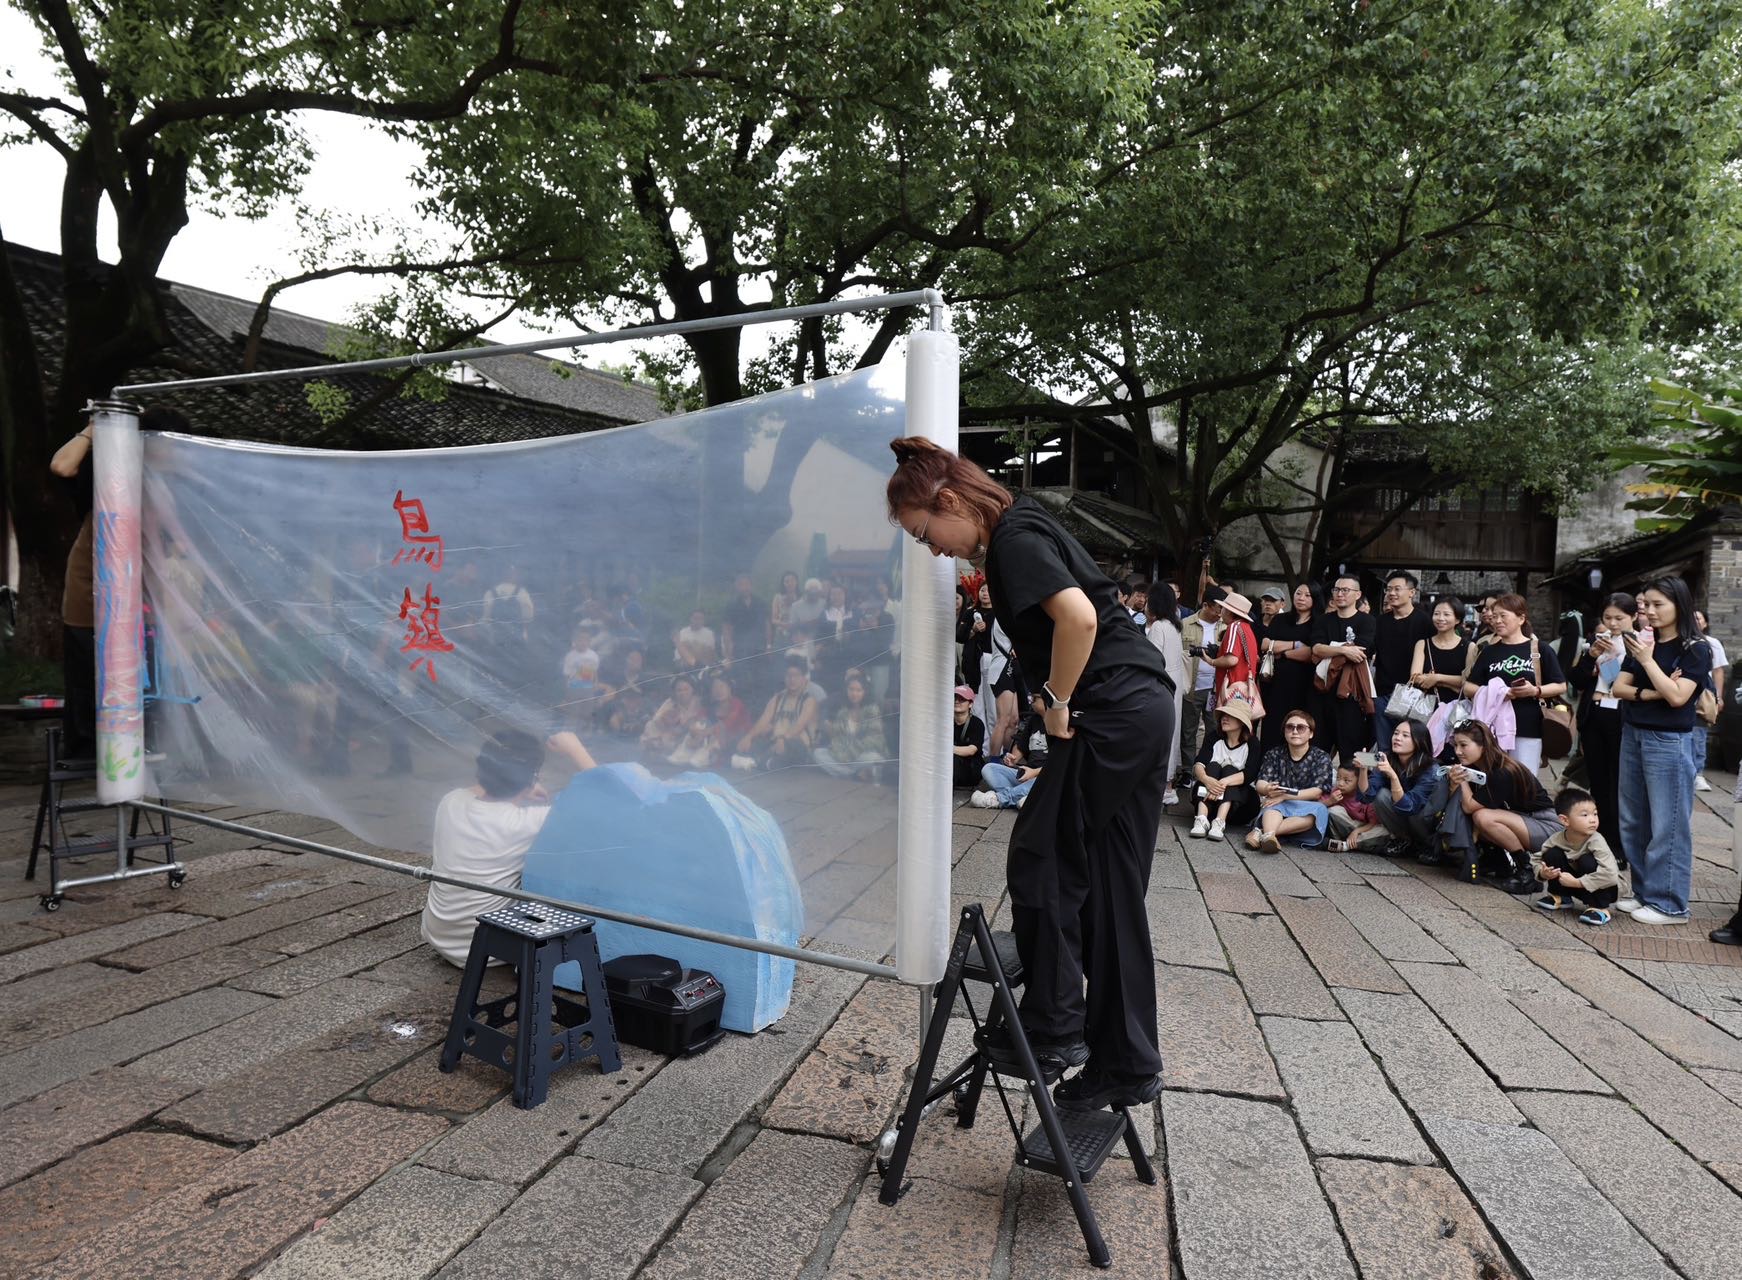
(1352, 820)
(1576, 865)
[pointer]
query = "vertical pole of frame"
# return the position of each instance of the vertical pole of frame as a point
(119, 468)
(922, 874)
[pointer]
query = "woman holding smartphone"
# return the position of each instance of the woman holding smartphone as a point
(1593, 675)
(1496, 800)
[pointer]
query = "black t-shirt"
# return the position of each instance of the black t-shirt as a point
(1501, 792)
(1448, 662)
(972, 734)
(1357, 628)
(1694, 661)
(747, 619)
(1031, 558)
(1394, 647)
(1511, 663)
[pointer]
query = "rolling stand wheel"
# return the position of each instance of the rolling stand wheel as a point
(885, 1149)
(967, 1100)
(177, 879)
(50, 901)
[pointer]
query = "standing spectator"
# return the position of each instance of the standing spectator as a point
(1720, 671)
(1237, 657)
(696, 646)
(1510, 660)
(1439, 661)
(1134, 595)
(1345, 636)
(780, 611)
(1396, 633)
(808, 609)
(1289, 641)
(745, 626)
(1198, 636)
(1660, 679)
(1164, 634)
(1292, 782)
(837, 616)
(967, 747)
(1600, 716)
(1270, 606)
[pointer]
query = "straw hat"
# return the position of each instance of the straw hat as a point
(1238, 605)
(1236, 709)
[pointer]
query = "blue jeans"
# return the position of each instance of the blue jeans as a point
(1657, 800)
(1697, 746)
(1000, 779)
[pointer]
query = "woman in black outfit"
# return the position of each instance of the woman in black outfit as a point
(1600, 714)
(1081, 849)
(1289, 639)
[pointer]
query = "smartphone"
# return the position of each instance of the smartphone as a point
(1477, 777)
(1367, 759)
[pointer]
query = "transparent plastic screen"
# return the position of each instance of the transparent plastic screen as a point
(709, 604)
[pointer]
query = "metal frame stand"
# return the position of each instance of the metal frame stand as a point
(51, 834)
(1072, 1145)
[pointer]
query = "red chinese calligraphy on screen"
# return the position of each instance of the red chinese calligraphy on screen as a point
(423, 628)
(422, 544)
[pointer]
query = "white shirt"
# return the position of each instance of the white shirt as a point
(696, 640)
(1234, 756)
(1206, 669)
(1719, 659)
(478, 839)
(577, 659)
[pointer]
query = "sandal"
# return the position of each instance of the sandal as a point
(1594, 916)
(1551, 902)
(1270, 844)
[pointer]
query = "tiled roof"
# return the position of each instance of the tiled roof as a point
(279, 412)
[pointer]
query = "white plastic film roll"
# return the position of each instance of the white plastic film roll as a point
(922, 872)
(118, 470)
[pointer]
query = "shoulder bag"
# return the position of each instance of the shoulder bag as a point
(1557, 721)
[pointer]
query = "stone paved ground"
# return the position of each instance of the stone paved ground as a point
(1371, 1071)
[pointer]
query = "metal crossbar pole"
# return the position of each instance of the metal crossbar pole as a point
(931, 299)
(800, 954)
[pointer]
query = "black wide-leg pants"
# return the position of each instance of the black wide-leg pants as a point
(1078, 872)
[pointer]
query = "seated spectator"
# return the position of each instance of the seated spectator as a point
(626, 711)
(1408, 791)
(1225, 763)
(679, 720)
(1352, 822)
(581, 655)
(482, 833)
(1292, 781)
(786, 730)
(1575, 864)
(1495, 800)
(966, 754)
(1009, 780)
(728, 720)
(696, 646)
(856, 747)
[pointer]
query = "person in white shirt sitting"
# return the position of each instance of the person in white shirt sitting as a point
(482, 834)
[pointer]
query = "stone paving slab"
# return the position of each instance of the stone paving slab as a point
(788, 1185)
(248, 1208)
(233, 1048)
(21, 933)
(422, 1085)
(1427, 1067)
(1341, 1098)
(1660, 1020)
(47, 1063)
(585, 1217)
(507, 1144)
(94, 1191)
(1132, 1216)
(399, 901)
(336, 960)
(1179, 925)
(1410, 1223)
(1321, 868)
(1728, 1083)
(96, 942)
(1692, 1217)
(1478, 948)
(1676, 1101)
(849, 1085)
(935, 1232)
(17, 998)
(1212, 856)
(1276, 975)
(1236, 894)
(243, 928)
(1393, 934)
(53, 1125)
(1170, 870)
(1338, 952)
(129, 992)
(1245, 1201)
(1209, 1038)
(1515, 1051)
(407, 1224)
(1534, 1196)
(1278, 875)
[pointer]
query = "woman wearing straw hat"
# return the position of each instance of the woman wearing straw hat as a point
(1081, 848)
(1237, 657)
(1224, 770)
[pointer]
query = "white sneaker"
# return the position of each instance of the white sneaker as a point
(1022, 799)
(1700, 783)
(1200, 825)
(1170, 798)
(1629, 905)
(1215, 831)
(1651, 915)
(984, 800)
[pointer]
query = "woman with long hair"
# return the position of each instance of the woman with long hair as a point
(1494, 799)
(1667, 664)
(1515, 658)
(1593, 675)
(1084, 838)
(1289, 642)
(1408, 792)
(1164, 633)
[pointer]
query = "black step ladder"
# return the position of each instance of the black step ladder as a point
(1072, 1145)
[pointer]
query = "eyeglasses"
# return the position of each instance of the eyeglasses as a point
(920, 537)
(1296, 728)
(1343, 591)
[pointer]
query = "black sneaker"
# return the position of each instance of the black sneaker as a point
(1519, 883)
(1053, 1057)
(1091, 1091)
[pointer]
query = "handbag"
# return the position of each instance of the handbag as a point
(1247, 690)
(1557, 721)
(1706, 709)
(1267, 667)
(1410, 703)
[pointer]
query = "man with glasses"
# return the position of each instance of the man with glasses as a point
(1345, 636)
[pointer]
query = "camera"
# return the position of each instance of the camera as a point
(1211, 651)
